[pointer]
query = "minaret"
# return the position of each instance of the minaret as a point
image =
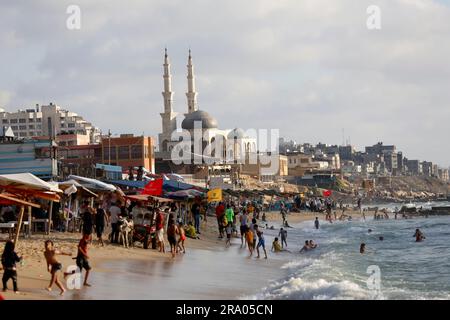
(167, 93)
(169, 121)
(191, 94)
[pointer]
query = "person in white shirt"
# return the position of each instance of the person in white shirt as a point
(114, 213)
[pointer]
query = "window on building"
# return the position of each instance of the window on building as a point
(38, 126)
(136, 152)
(22, 120)
(106, 153)
(13, 121)
(31, 120)
(71, 125)
(38, 119)
(22, 127)
(124, 152)
(14, 127)
(63, 125)
(31, 134)
(5, 121)
(62, 143)
(31, 127)
(22, 134)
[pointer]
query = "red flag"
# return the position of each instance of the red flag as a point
(327, 193)
(153, 188)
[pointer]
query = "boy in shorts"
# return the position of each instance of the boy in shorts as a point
(53, 266)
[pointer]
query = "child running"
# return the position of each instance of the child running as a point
(53, 266)
(83, 258)
(261, 243)
(180, 244)
(229, 231)
(172, 231)
(249, 238)
(9, 259)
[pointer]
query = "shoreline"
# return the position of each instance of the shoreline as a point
(33, 277)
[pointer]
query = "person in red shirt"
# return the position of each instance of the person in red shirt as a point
(160, 231)
(83, 258)
(220, 211)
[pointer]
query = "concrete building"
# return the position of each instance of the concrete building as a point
(79, 159)
(390, 161)
(31, 155)
(443, 174)
(379, 148)
(414, 167)
(129, 151)
(346, 152)
(48, 120)
(427, 168)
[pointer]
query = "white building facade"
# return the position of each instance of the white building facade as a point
(48, 120)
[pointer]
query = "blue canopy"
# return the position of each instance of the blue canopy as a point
(168, 185)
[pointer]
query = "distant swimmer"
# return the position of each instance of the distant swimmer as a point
(305, 247)
(362, 248)
(312, 245)
(381, 238)
(369, 231)
(316, 223)
(419, 235)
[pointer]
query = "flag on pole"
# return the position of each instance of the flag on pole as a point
(153, 188)
(215, 195)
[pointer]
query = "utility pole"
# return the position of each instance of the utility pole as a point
(109, 146)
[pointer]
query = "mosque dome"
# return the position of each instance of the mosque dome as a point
(207, 121)
(236, 133)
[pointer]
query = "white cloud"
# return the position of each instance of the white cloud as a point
(307, 67)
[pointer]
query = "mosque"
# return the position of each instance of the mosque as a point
(235, 144)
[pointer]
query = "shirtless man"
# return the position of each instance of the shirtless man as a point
(305, 247)
(53, 266)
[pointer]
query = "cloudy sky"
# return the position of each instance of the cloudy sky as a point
(307, 67)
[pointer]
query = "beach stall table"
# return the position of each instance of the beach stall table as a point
(144, 228)
(25, 187)
(73, 189)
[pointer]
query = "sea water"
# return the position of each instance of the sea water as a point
(395, 268)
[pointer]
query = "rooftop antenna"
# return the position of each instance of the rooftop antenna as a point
(343, 136)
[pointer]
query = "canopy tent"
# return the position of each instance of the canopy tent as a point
(72, 186)
(145, 197)
(168, 185)
(93, 184)
(26, 182)
(23, 186)
(185, 194)
(10, 199)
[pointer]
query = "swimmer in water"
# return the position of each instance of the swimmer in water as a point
(312, 245)
(305, 247)
(369, 231)
(419, 235)
(381, 238)
(362, 248)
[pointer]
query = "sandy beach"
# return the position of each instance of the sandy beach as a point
(166, 276)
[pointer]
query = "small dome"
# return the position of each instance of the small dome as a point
(236, 133)
(207, 121)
